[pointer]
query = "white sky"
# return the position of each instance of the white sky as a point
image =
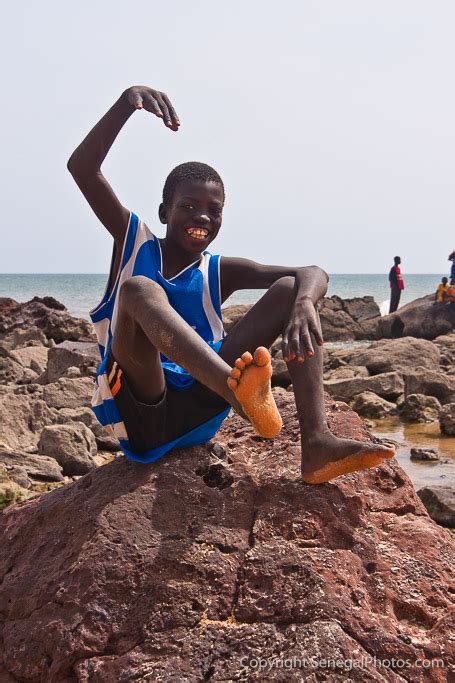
(331, 123)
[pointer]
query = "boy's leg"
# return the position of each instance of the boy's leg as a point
(322, 452)
(147, 324)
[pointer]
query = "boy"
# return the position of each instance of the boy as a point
(169, 375)
(439, 296)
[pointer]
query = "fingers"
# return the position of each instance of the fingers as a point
(172, 113)
(136, 100)
(151, 105)
(297, 343)
(159, 104)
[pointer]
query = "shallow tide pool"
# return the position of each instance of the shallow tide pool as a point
(410, 436)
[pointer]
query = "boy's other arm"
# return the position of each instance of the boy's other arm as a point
(239, 273)
(85, 162)
(310, 286)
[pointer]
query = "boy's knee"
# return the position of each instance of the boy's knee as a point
(284, 287)
(137, 289)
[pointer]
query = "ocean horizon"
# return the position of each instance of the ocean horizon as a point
(81, 292)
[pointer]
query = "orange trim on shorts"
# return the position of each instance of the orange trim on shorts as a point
(112, 372)
(116, 388)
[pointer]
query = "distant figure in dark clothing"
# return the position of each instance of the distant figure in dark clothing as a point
(452, 270)
(396, 284)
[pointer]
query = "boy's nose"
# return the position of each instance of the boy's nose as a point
(202, 219)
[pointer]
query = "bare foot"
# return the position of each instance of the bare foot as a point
(250, 382)
(325, 457)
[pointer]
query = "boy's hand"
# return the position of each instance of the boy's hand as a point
(296, 338)
(154, 101)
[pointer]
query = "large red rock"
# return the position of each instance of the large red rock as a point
(202, 566)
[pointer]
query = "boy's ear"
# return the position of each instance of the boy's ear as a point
(162, 213)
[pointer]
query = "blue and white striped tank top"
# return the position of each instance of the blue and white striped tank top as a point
(194, 293)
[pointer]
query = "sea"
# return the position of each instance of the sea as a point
(82, 292)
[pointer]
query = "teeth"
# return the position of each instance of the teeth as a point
(198, 233)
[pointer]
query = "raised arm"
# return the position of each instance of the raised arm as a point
(85, 162)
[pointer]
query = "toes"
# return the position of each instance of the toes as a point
(232, 383)
(247, 358)
(239, 364)
(236, 373)
(261, 356)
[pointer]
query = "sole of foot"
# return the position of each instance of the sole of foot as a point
(371, 455)
(250, 382)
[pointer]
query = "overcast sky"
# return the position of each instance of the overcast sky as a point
(331, 123)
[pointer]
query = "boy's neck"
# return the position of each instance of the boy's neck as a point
(174, 258)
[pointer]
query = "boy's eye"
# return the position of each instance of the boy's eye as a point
(216, 211)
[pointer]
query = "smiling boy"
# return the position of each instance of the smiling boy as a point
(169, 375)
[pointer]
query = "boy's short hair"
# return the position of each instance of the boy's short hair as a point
(190, 170)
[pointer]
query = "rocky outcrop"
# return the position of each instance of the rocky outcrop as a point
(190, 568)
(430, 383)
(389, 385)
(391, 355)
(360, 318)
(40, 316)
(420, 318)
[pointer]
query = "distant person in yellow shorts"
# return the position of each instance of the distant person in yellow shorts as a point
(441, 290)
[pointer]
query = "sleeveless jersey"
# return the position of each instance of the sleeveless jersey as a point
(194, 293)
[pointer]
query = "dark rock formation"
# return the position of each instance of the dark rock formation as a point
(420, 318)
(46, 315)
(190, 568)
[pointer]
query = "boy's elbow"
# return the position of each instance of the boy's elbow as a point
(321, 270)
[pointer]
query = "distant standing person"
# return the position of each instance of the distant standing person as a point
(452, 270)
(396, 284)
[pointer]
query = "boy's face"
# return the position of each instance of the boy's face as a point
(195, 216)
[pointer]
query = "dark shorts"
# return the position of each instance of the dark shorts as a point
(176, 413)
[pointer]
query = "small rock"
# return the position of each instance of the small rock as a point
(72, 445)
(424, 454)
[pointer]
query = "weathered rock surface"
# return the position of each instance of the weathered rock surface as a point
(440, 503)
(391, 355)
(72, 445)
(369, 404)
(71, 354)
(188, 568)
(447, 419)
(69, 393)
(420, 408)
(22, 418)
(430, 383)
(389, 385)
(43, 314)
(419, 318)
(36, 466)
